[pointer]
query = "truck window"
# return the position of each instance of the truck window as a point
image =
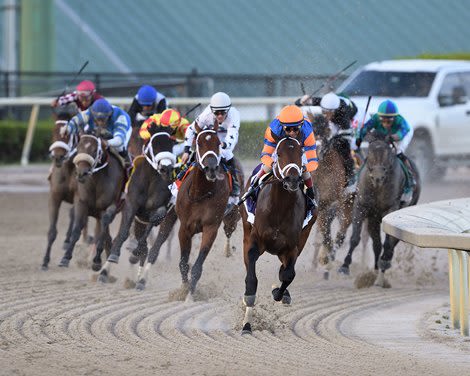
(391, 84)
(451, 85)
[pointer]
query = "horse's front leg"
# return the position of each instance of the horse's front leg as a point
(385, 261)
(286, 276)
(374, 232)
(106, 218)
(69, 228)
(209, 234)
(184, 236)
(79, 221)
(358, 218)
(250, 256)
(54, 206)
(163, 234)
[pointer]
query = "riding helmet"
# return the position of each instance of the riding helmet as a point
(101, 109)
(330, 102)
(170, 118)
(387, 108)
(86, 87)
(146, 95)
(220, 102)
(291, 116)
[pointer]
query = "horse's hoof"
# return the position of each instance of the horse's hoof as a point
(246, 328)
(133, 259)
(344, 270)
(44, 268)
(286, 299)
(113, 258)
(276, 295)
(64, 263)
(96, 267)
(103, 277)
(384, 264)
(326, 275)
(249, 300)
(140, 286)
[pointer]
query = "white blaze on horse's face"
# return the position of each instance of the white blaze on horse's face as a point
(283, 170)
(208, 133)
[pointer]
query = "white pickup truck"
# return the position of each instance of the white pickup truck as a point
(433, 96)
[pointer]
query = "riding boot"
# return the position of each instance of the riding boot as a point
(350, 174)
(411, 182)
(311, 203)
(233, 171)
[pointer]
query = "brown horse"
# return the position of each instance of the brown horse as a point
(62, 184)
(278, 225)
(101, 178)
(333, 202)
(146, 203)
(200, 206)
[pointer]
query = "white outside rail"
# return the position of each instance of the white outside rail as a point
(251, 109)
(441, 224)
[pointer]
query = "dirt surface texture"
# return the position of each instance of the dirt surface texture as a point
(63, 322)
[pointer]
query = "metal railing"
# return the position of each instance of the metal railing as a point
(259, 108)
(445, 225)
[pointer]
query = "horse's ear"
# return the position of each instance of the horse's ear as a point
(197, 127)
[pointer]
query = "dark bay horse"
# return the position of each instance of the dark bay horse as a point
(146, 203)
(62, 183)
(101, 177)
(200, 206)
(278, 225)
(380, 186)
(333, 201)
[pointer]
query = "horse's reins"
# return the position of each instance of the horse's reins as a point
(88, 158)
(284, 170)
(164, 158)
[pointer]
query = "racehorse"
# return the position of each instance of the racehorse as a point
(62, 183)
(278, 225)
(330, 180)
(101, 178)
(146, 202)
(380, 186)
(200, 206)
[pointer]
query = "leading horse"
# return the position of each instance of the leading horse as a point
(200, 206)
(381, 183)
(101, 178)
(278, 226)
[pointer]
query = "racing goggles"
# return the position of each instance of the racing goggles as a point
(219, 112)
(289, 129)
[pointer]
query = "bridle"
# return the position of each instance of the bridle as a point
(69, 147)
(200, 159)
(161, 159)
(280, 172)
(93, 161)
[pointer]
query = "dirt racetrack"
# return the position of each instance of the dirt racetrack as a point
(60, 322)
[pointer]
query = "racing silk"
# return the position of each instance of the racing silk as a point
(177, 133)
(135, 110)
(73, 98)
(343, 115)
(119, 124)
(306, 138)
(400, 127)
(227, 131)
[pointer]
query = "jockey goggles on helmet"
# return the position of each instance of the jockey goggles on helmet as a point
(290, 128)
(101, 109)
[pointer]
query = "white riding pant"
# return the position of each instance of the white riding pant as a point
(403, 144)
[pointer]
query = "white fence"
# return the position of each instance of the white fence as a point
(251, 109)
(446, 225)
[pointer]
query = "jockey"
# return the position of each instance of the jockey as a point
(219, 111)
(147, 101)
(292, 123)
(388, 121)
(339, 112)
(169, 118)
(83, 97)
(103, 116)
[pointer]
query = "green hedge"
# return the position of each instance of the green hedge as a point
(13, 134)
